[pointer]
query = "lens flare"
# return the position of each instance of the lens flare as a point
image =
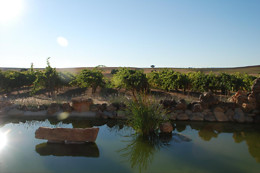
(10, 9)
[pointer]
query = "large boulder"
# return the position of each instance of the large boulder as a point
(256, 86)
(197, 108)
(81, 105)
(239, 116)
(220, 116)
(209, 116)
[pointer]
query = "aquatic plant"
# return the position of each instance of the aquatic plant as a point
(145, 115)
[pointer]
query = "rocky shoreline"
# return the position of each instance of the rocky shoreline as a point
(242, 108)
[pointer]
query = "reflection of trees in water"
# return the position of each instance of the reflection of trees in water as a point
(140, 150)
(207, 133)
(252, 140)
(241, 132)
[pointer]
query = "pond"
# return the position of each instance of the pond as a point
(193, 147)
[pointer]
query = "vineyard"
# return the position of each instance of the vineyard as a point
(50, 80)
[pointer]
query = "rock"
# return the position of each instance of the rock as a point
(208, 100)
(209, 117)
(239, 98)
(239, 115)
(256, 86)
(110, 115)
(249, 119)
(67, 134)
(219, 109)
(197, 108)
(248, 106)
(182, 117)
(181, 106)
(251, 98)
(173, 116)
(66, 107)
(188, 112)
(102, 107)
(220, 116)
(166, 127)
(15, 112)
(121, 114)
(94, 108)
(230, 114)
(168, 104)
(53, 108)
(81, 105)
(197, 116)
(111, 108)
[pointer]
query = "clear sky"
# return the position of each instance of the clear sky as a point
(166, 33)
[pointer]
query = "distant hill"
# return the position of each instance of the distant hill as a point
(253, 70)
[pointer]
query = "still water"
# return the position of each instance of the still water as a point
(193, 147)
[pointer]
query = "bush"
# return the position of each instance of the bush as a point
(145, 115)
(90, 78)
(133, 80)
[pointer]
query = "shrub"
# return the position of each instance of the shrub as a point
(145, 115)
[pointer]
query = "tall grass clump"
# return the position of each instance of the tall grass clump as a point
(145, 115)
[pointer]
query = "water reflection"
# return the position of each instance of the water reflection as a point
(76, 150)
(140, 150)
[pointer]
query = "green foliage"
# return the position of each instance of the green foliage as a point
(90, 78)
(145, 115)
(114, 71)
(167, 79)
(47, 79)
(133, 80)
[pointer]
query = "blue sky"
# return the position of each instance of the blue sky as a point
(166, 33)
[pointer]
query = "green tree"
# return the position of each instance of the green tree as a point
(133, 80)
(90, 78)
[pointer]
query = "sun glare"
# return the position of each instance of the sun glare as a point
(62, 41)
(3, 140)
(10, 9)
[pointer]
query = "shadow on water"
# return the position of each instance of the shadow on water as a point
(76, 150)
(140, 150)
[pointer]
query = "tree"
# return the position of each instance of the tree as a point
(133, 80)
(90, 78)
(47, 79)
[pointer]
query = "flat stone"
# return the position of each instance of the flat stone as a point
(67, 134)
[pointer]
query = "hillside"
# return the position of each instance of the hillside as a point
(253, 70)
